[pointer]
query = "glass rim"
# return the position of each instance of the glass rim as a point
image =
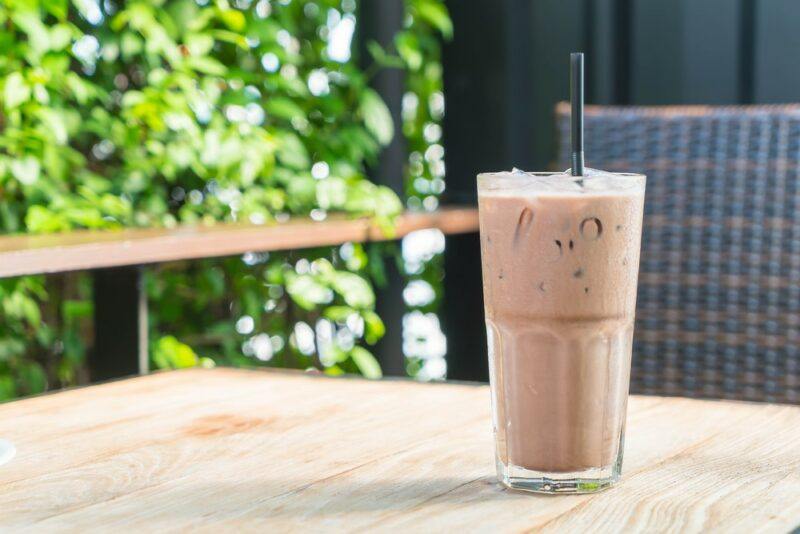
(512, 175)
(549, 183)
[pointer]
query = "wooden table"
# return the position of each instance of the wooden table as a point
(256, 450)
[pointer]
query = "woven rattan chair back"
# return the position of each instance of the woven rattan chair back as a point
(718, 310)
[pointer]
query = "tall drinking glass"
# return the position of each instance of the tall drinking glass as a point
(560, 262)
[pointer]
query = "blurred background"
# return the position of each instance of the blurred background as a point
(164, 112)
(506, 69)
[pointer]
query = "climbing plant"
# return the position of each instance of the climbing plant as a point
(164, 112)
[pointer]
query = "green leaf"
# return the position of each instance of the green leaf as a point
(284, 108)
(130, 45)
(377, 117)
(201, 20)
(19, 306)
(26, 170)
(334, 370)
(206, 65)
(39, 219)
(179, 11)
(409, 49)
(34, 378)
(376, 265)
(382, 58)
(16, 91)
(76, 309)
(56, 65)
(8, 389)
(435, 13)
(233, 19)
(301, 191)
(387, 203)
(366, 362)
(84, 7)
(338, 313)
(81, 89)
(85, 216)
(275, 274)
(54, 123)
(30, 23)
(307, 292)
(60, 37)
(361, 197)
(325, 268)
(230, 37)
(355, 290)
(11, 348)
(291, 151)
(199, 44)
(169, 353)
(57, 8)
(374, 329)
(332, 193)
(31, 312)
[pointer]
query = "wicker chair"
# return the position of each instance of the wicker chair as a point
(719, 286)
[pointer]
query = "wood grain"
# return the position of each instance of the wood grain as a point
(82, 249)
(225, 449)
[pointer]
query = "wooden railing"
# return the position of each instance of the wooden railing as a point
(116, 259)
(83, 249)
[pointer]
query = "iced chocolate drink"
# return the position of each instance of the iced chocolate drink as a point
(560, 261)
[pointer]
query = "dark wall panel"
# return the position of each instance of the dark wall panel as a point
(712, 30)
(558, 27)
(776, 51)
(656, 51)
(685, 51)
(520, 77)
(607, 32)
(475, 69)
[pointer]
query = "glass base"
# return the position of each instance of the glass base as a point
(7, 451)
(587, 481)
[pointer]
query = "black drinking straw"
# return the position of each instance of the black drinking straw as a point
(576, 99)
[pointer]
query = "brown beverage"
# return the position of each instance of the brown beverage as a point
(560, 262)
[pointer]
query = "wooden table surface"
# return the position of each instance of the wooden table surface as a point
(256, 450)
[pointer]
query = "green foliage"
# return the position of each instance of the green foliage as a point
(159, 112)
(169, 353)
(423, 109)
(376, 116)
